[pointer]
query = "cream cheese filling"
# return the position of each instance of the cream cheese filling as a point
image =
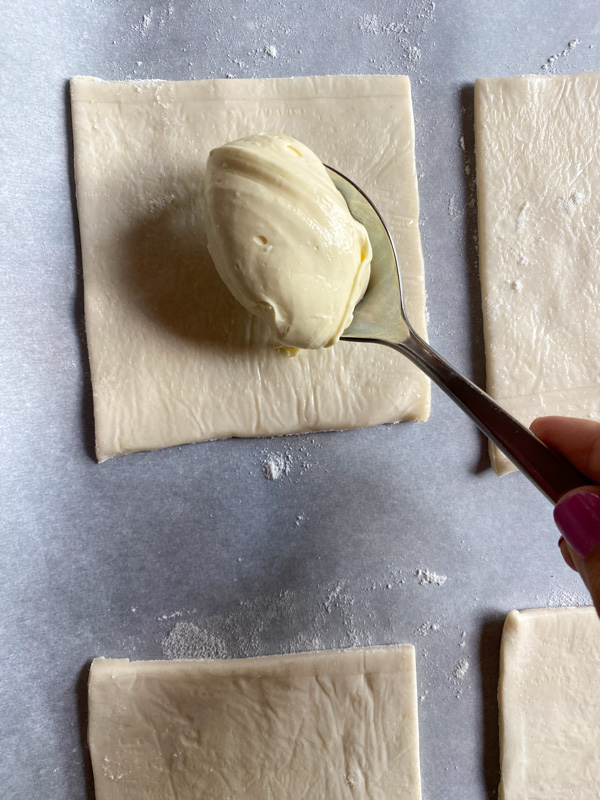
(283, 240)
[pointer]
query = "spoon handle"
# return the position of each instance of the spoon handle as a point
(546, 469)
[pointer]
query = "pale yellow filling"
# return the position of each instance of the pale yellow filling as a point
(283, 240)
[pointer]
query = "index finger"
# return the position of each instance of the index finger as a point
(578, 440)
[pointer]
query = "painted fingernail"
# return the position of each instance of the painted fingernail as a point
(578, 519)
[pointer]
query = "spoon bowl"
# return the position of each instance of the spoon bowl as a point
(381, 318)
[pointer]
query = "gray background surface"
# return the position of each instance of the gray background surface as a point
(192, 551)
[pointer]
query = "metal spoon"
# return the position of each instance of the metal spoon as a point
(381, 318)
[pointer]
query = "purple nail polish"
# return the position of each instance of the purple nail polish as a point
(578, 519)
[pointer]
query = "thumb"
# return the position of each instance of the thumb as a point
(577, 516)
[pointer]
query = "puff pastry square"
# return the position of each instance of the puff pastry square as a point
(173, 357)
(340, 725)
(538, 185)
(550, 704)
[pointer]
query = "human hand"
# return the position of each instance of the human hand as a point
(577, 514)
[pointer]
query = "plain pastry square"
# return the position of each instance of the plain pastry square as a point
(337, 725)
(173, 356)
(550, 705)
(538, 187)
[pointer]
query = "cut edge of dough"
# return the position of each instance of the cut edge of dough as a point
(372, 655)
(499, 462)
(509, 727)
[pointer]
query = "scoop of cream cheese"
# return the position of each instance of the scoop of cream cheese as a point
(283, 240)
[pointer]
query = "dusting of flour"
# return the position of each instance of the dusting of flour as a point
(428, 578)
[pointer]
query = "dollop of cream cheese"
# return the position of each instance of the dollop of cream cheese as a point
(283, 240)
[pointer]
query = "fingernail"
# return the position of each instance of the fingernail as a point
(578, 519)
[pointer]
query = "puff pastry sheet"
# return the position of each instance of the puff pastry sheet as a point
(173, 356)
(340, 725)
(550, 705)
(538, 186)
